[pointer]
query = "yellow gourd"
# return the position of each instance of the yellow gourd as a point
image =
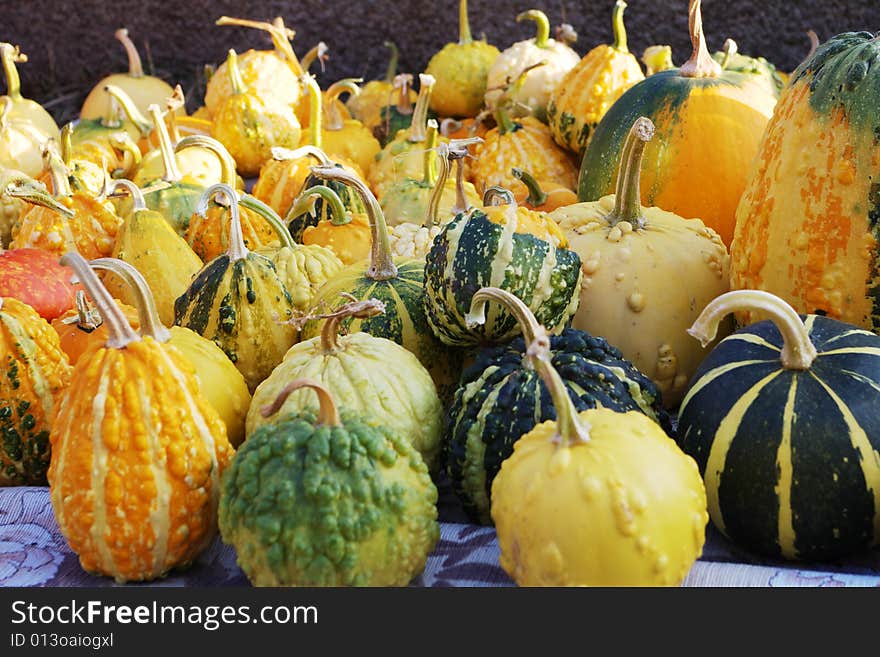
(24, 109)
(343, 137)
(346, 233)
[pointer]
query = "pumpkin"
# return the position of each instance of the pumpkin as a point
(396, 282)
(709, 123)
(584, 95)
(557, 57)
(35, 371)
(23, 109)
(346, 138)
(83, 328)
(781, 418)
(146, 241)
(238, 301)
(34, 277)
(597, 498)
(461, 70)
(376, 95)
(806, 226)
(495, 246)
(352, 367)
(647, 273)
(500, 397)
(332, 499)
(220, 382)
(249, 127)
(545, 196)
(137, 454)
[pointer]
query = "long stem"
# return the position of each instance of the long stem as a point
(382, 267)
(404, 105)
(234, 73)
(58, 172)
(169, 161)
(356, 309)
(458, 150)
(148, 316)
(120, 331)
(542, 23)
(316, 118)
(281, 37)
(464, 25)
(237, 250)
(334, 117)
(798, 352)
(528, 324)
(328, 414)
(135, 67)
(285, 154)
(429, 163)
(627, 198)
(571, 430)
(137, 198)
(420, 115)
(227, 163)
(339, 216)
(271, 217)
(618, 27)
(537, 197)
(391, 71)
(814, 42)
(131, 111)
(67, 143)
(174, 102)
(432, 217)
(10, 54)
(317, 52)
(29, 192)
(701, 64)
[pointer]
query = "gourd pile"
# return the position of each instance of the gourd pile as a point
(606, 300)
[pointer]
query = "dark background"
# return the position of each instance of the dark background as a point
(71, 45)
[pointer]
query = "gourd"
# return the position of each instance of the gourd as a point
(543, 196)
(346, 138)
(397, 116)
(396, 282)
(376, 95)
(82, 173)
(781, 418)
(354, 368)
(249, 127)
(23, 109)
(111, 141)
(220, 382)
(647, 274)
(461, 70)
(331, 103)
(137, 454)
(709, 122)
(507, 247)
(591, 87)
(21, 143)
(238, 301)
(10, 207)
(146, 241)
(82, 327)
(500, 397)
(331, 499)
(806, 226)
(143, 89)
(731, 59)
(597, 498)
(558, 59)
(347, 233)
(35, 371)
(34, 277)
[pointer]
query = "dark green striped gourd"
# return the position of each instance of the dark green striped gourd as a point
(782, 419)
(502, 397)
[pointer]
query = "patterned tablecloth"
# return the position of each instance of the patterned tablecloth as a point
(33, 553)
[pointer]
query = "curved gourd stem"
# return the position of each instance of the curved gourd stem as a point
(334, 120)
(528, 324)
(701, 64)
(120, 332)
(729, 49)
(565, 33)
(814, 43)
(571, 430)
(458, 150)
(148, 316)
(542, 23)
(339, 216)
(58, 171)
(115, 113)
(618, 27)
(282, 154)
(271, 217)
(10, 55)
(328, 414)
(237, 250)
(420, 115)
(627, 195)
(227, 163)
(169, 161)
(67, 143)
(502, 117)
(137, 198)
(356, 309)
(233, 72)
(122, 141)
(537, 196)
(404, 105)
(316, 117)
(131, 111)
(391, 71)
(429, 164)
(798, 352)
(382, 267)
(497, 195)
(135, 67)
(432, 217)
(174, 102)
(319, 52)
(280, 35)
(464, 24)
(28, 190)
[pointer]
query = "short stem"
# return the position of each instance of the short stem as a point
(169, 161)
(334, 120)
(798, 352)
(280, 38)
(506, 124)
(729, 49)
(120, 332)
(429, 164)
(391, 71)
(87, 317)
(382, 267)
(402, 83)
(316, 118)
(571, 430)
(356, 309)
(420, 115)
(67, 143)
(9, 55)
(29, 192)
(542, 23)
(627, 198)
(618, 27)
(339, 216)
(528, 324)
(464, 24)
(227, 163)
(131, 111)
(148, 316)
(701, 64)
(432, 218)
(237, 250)
(318, 52)
(271, 217)
(497, 195)
(234, 73)
(328, 414)
(137, 198)
(135, 67)
(536, 196)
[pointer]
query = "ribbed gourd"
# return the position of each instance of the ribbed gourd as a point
(500, 397)
(331, 499)
(137, 454)
(781, 418)
(597, 498)
(591, 87)
(647, 273)
(354, 369)
(238, 301)
(35, 371)
(503, 246)
(35, 277)
(807, 222)
(709, 123)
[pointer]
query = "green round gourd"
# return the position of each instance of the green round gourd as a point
(781, 418)
(328, 501)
